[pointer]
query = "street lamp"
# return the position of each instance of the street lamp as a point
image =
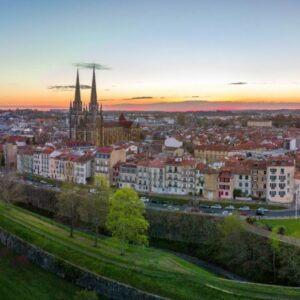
(297, 200)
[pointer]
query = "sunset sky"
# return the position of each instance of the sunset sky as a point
(246, 53)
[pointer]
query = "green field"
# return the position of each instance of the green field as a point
(292, 225)
(20, 280)
(148, 269)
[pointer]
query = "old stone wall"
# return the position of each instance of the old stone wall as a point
(83, 278)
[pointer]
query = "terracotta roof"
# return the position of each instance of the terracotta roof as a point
(105, 150)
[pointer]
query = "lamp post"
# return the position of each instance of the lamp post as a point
(297, 200)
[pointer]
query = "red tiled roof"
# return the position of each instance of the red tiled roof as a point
(105, 150)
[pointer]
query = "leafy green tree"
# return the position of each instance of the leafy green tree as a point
(275, 246)
(11, 189)
(237, 193)
(92, 208)
(68, 204)
(85, 295)
(126, 219)
(281, 230)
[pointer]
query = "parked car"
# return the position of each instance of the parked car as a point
(244, 213)
(230, 207)
(204, 206)
(195, 209)
(144, 199)
(260, 212)
(263, 209)
(244, 208)
(226, 213)
(216, 206)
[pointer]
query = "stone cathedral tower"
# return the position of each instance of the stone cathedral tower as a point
(86, 122)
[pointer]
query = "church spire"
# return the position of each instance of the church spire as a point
(93, 101)
(77, 104)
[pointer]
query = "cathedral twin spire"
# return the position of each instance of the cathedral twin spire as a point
(93, 105)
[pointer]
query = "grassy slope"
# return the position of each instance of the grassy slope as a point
(20, 280)
(292, 225)
(145, 268)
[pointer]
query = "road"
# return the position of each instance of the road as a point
(205, 209)
(284, 213)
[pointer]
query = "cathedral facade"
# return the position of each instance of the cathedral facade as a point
(86, 123)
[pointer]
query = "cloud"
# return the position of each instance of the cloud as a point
(140, 98)
(238, 83)
(91, 66)
(68, 87)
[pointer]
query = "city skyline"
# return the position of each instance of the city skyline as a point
(165, 56)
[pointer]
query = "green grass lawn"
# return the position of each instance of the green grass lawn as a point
(148, 269)
(20, 280)
(292, 225)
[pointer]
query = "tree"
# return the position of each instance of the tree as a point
(275, 246)
(237, 193)
(92, 208)
(68, 204)
(281, 230)
(11, 189)
(125, 218)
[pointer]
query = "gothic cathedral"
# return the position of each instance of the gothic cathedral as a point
(87, 124)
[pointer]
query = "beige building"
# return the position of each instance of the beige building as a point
(211, 153)
(211, 184)
(259, 123)
(106, 158)
(259, 179)
(10, 150)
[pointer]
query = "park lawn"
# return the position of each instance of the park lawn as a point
(292, 225)
(148, 269)
(20, 280)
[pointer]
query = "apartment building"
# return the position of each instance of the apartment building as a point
(41, 158)
(225, 184)
(242, 181)
(259, 179)
(180, 176)
(280, 180)
(25, 160)
(212, 153)
(210, 190)
(199, 179)
(106, 158)
(127, 175)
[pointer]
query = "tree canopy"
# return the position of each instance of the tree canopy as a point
(126, 219)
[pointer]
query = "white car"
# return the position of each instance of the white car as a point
(216, 206)
(230, 207)
(144, 199)
(243, 208)
(226, 213)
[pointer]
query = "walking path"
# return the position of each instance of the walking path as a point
(265, 233)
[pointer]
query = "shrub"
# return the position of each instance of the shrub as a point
(86, 295)
(281, 230)
(251, 220)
